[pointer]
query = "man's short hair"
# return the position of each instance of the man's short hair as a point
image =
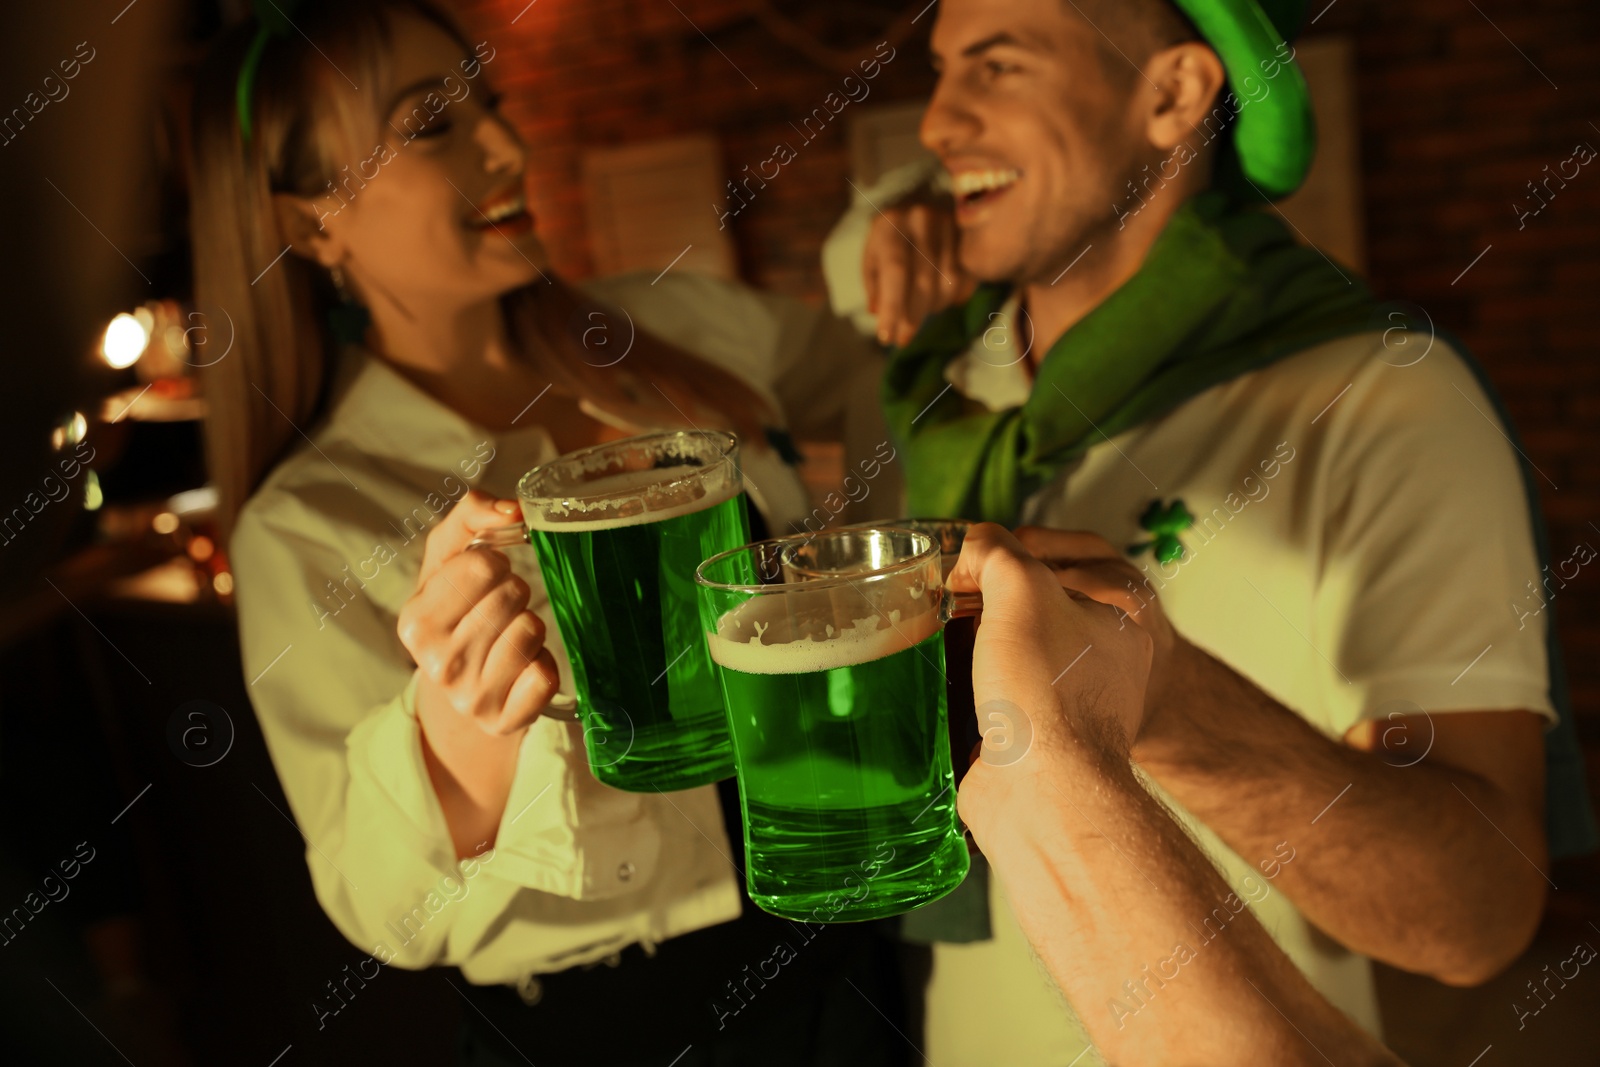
(1131, 31)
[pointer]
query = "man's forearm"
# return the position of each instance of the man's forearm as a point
(1110, 891)
(1442, 889)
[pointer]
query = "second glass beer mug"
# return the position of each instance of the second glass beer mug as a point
(960, 635)
(832, 667)
(619, 529)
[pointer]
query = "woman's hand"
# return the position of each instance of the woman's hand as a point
(1069, 666)
(479, 649)
(912, 266)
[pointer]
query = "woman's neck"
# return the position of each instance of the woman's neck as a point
(460, 356)
(465, 359)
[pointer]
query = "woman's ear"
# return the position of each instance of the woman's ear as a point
(306, 227)
(1188, 78)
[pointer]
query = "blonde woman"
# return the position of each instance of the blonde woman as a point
(351, 164)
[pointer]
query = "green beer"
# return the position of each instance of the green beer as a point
(960, 635)
(620, 575)
(836, 702)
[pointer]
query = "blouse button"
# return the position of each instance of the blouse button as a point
(530, 989)
(624, 871)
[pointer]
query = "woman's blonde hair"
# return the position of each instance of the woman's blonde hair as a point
(269, 389)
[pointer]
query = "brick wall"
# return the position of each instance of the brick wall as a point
(1454, 123)
(587, 73)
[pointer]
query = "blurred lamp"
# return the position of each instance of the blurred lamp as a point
(124, 341)
(191, 501)
(69, 431)
(92, 496)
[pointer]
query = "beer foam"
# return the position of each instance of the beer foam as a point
(866, 640)
(627, 491)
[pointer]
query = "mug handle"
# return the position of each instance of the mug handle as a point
(512, 533)
(562, 708)
(959, 605)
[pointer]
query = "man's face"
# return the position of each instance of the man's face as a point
(1038, 140)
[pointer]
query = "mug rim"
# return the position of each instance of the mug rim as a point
(728, 448)
(928, 552)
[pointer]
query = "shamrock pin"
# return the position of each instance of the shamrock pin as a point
(1165, 523)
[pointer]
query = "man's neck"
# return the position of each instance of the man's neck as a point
(1087, 278)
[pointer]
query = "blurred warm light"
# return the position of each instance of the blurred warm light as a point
(125, 340)
(69, 431)
(92, 496)
(222, 583)
(164, 523)
(201, 548)
(193, 500)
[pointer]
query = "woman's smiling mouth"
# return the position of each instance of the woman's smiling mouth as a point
(505, 213)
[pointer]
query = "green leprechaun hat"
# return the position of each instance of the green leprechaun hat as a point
(1275, 134)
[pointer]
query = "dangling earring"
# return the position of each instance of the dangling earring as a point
(347, 319)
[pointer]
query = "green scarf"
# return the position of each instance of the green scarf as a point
(1222, 292)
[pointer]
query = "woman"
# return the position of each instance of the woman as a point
(354, 162)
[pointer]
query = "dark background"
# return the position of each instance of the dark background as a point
(194, 927)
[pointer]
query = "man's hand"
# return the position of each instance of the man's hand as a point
(1088, 564)
(1059, 825)
(1063, 660)
(912, 267)
(1474, 803)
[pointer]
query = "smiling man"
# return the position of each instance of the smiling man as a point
(1307, 499)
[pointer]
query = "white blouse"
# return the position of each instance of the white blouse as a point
(327, 551)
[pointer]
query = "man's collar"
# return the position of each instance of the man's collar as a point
(994, 369)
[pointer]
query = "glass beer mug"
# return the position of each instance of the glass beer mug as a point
(619, 529)
(832, 667)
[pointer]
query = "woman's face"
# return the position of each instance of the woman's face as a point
(432, 213)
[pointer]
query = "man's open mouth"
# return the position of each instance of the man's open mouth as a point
(975, 187)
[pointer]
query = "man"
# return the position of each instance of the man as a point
(1325, 530)
(1067, 864)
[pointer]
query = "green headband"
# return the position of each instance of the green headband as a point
(1275, 137)
(273, 21)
